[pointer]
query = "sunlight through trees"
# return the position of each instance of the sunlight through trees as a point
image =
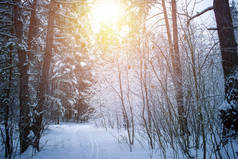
(163, 72)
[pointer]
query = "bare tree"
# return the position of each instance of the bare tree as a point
(177, 68)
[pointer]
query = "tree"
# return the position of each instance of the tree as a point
(38, 126)
(225, 29)
(228, 47)
(70, 74)
(7, 76)
(176, 64)
(177, 73)
(24, 122)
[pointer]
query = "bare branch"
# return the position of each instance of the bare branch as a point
(235, 27)
(200, 13)
(8, 35)
(8, 67)
(65, 16)
(211, 28)
(72, 2)
(7, 3)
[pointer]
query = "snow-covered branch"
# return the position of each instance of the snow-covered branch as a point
(200, 13)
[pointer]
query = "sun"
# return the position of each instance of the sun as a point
(106, 12)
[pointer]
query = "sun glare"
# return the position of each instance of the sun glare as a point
(106, 12)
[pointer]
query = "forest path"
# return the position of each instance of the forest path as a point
(84, 141)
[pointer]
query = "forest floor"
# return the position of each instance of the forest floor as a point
(84, 141)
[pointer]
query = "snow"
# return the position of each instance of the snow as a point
(84, 141)
(225, 106)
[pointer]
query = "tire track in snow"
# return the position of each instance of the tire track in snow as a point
(91, 148)
(89, 137)
(95, 147)
(85, 138)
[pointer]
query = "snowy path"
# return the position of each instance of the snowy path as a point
(84, 141)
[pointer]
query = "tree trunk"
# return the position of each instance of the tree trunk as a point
(24, 123)
(8, 145)
(32, 26)
(226, 35)
(177, 68)
(6, 78)
(38, 126)
(229, 55)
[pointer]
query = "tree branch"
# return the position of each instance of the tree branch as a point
(235, 27)
(72, 2)
(200, 13)
(8, 35)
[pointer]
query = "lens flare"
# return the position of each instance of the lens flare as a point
(106, 12)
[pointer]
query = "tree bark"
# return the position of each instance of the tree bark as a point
(229, 55)
(177, 73)
(32, 26)
(6, 76)
(8, 142)
(38, 126)
(24, 123)
(226, 36)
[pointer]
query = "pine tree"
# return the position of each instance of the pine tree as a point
(70, 73)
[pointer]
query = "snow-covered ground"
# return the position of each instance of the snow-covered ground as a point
(84, 141)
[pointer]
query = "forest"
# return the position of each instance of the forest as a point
(159, 74)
